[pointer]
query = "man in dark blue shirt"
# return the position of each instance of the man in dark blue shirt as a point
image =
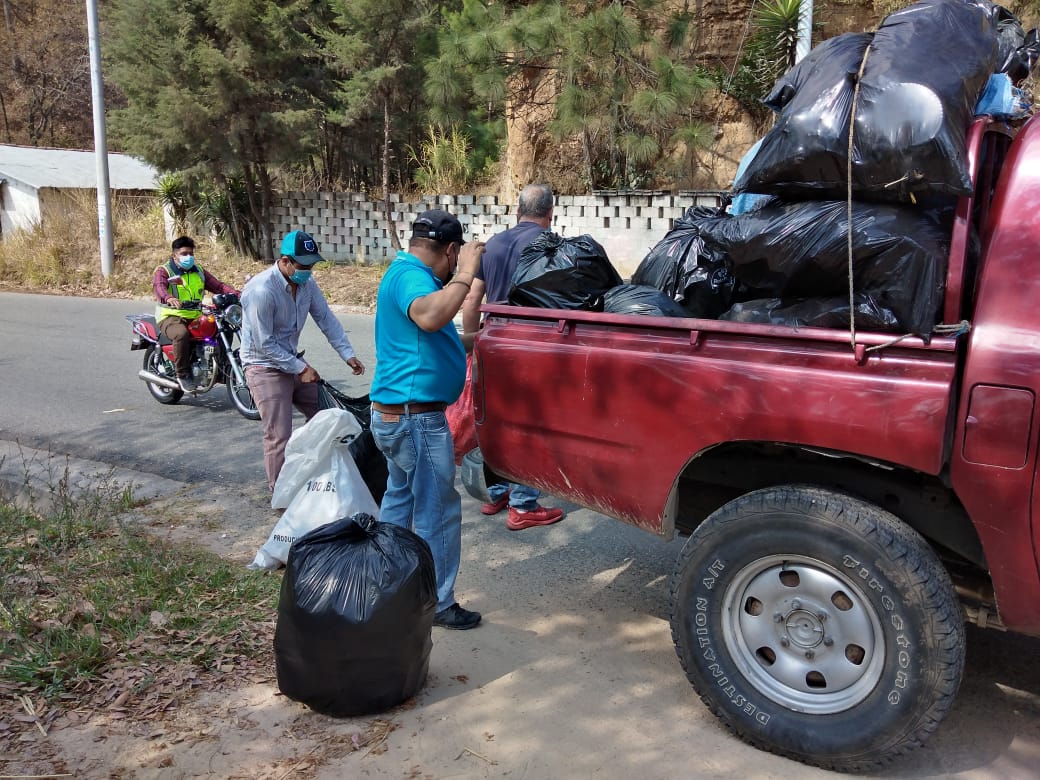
(493, 281)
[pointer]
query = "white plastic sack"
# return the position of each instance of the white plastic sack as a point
(319, 484)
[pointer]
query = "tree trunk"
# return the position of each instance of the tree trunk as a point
(234, 223)
(9, 26)
(7, 126)
(586, 154)
(266, 198)
(261, 218)
(391, 226)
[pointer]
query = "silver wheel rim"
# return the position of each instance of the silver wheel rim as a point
(159, 367)
(240, 391)
(803, 634)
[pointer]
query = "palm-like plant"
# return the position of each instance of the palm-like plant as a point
(777, 22)
(769, 52)
(173, 195)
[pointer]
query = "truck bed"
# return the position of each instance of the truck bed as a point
(582, 400)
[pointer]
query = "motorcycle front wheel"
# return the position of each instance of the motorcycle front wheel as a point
(239, 395)
(154, 362)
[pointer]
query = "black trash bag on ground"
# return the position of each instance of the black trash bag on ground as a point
(563, 273)
(927, 65)
(683, 268)
(371, 462)
(354, 617)
(641, 299)
(800, 250)
(814, 313)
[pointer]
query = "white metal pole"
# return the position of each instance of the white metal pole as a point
(804, 31)
(97, 93)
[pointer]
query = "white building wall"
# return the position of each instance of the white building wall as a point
(20, 207)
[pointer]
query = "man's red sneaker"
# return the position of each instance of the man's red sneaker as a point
(494, 507)
(540, 515)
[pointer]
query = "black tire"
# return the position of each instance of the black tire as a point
(818, 626)
(154, 362)
(473, 475)
(239, 395)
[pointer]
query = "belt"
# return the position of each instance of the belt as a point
(411, 407)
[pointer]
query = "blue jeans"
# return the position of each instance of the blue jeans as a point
(521, 497)
(420, 491)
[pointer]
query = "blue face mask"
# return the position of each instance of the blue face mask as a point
(300, 277)
(187, 262)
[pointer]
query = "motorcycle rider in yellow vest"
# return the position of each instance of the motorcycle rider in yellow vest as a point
(179, 285)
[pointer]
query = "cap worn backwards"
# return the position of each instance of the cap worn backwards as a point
(438, 225)
(301, 248)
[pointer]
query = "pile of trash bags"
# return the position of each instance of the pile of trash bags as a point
(908, 93)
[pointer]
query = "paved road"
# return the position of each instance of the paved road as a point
(70, 384)
(573, 674)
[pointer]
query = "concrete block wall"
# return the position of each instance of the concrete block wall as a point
(349, 226)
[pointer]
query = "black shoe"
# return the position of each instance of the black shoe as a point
(456, 617)
(187, 384)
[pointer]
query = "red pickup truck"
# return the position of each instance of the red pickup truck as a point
(850, 502)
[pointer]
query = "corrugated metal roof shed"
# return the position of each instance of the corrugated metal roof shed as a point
(71, 169)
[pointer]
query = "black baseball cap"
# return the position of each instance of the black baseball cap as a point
(438, 225)
(301, 247)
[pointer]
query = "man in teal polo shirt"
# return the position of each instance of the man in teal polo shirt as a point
(420, 369)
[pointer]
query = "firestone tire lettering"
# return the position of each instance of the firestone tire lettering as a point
(818, 626)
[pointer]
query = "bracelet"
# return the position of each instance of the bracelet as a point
(467, 285)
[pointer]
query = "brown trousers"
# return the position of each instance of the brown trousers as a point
(275, 394)
(176, 330)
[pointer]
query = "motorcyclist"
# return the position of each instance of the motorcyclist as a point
(179, 285)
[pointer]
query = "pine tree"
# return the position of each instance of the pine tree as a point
(373, 47)
(613, 74)
(218, 86)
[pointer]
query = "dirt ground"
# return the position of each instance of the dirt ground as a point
(571, 674)
(183, 721)
(150, 722)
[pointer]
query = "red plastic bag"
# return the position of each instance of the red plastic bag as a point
(460, 418)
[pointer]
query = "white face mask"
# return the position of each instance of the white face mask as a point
(187, 262)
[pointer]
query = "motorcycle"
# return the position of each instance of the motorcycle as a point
(215, 358)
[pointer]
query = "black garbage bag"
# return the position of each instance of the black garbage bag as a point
(814, 313)
(1010, 36)
(354, 617)
(680, 265)
(554, 272)
(927, 65)
(641, 299)
(800, 250)
(371, 462)
(1020, 63)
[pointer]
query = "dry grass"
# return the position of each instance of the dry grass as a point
(63, 257)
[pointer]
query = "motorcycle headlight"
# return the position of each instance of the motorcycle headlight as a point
(233, 314)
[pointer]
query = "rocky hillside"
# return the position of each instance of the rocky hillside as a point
(722, 29)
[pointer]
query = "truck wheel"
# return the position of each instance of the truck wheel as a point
(818, 626)
(473, 475)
